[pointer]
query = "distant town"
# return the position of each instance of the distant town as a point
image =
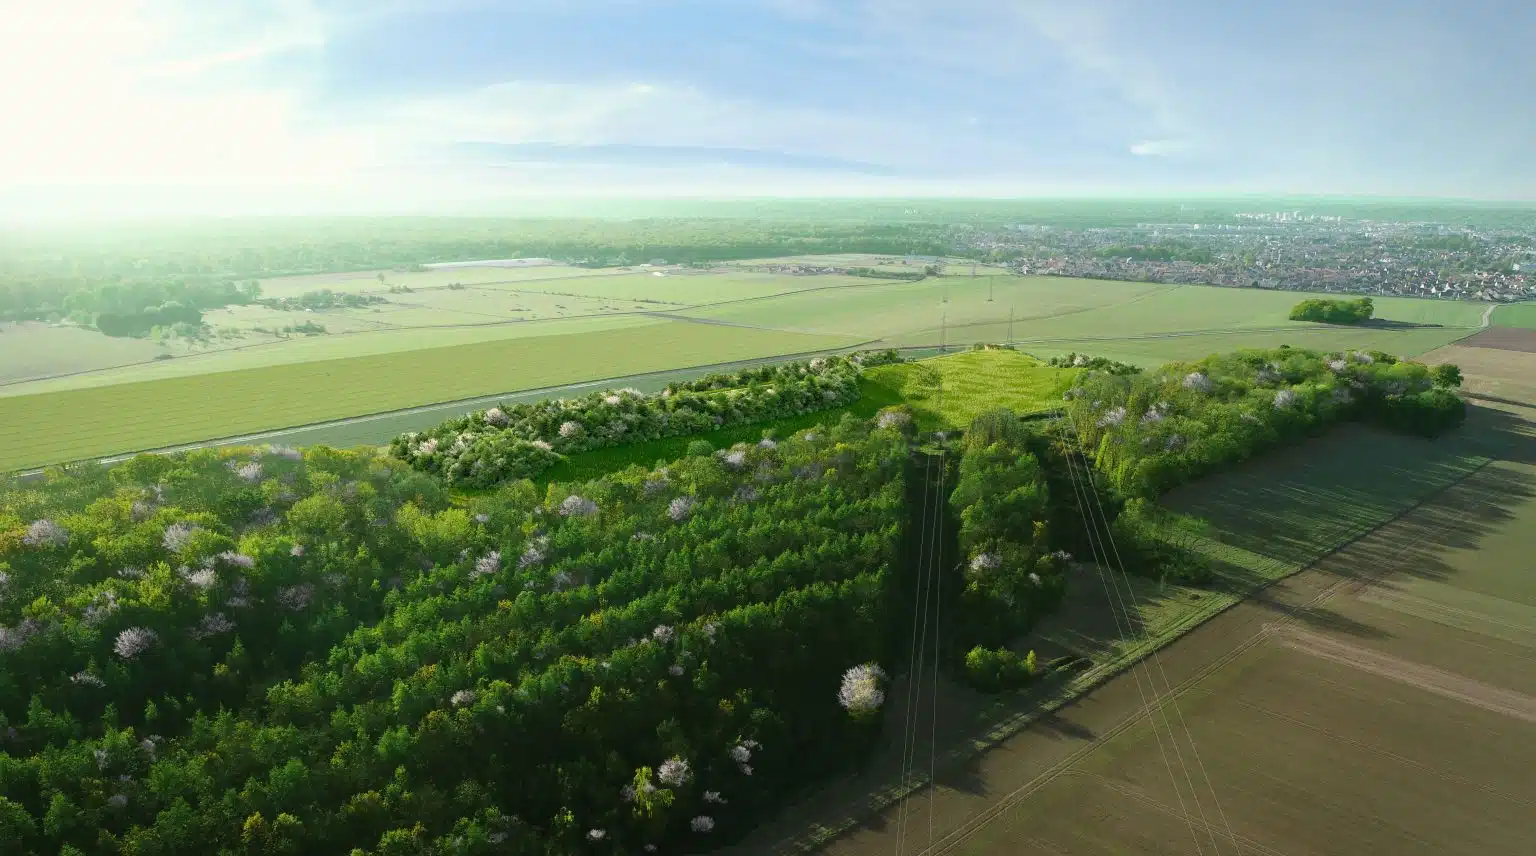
(1286, 250)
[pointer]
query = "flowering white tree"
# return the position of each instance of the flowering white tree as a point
(296, 597)
(248, 472)
(577, 506)
(1285, 398)
(239, 560)
(714, 797)
(596, 834)
(664, 633)
(86, 679)
(986, 562)
(45, 533)
(893, 419)
(735, 459)
(862, 690)
(1198, 382)
(497, 417)
(134, 641)
(428, 447)
(202, 578)
(674, 771)
(702, 823)
(570, 430)
(488, 564)
(1114, 416)
(681, 508)
(212, 624)
(464, 698)
(177, 535)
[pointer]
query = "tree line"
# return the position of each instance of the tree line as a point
(1149, 432)
(522, 440)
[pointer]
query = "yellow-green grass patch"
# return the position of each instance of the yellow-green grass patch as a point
(949, 392)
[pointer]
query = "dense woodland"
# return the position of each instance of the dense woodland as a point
(314, 652)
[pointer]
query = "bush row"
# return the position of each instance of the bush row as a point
(1150, 432)
(520, 441)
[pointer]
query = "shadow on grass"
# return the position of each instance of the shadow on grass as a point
(1389, 324)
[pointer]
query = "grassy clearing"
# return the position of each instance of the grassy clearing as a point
(948, 392)
(62, 426)
(1521, 315)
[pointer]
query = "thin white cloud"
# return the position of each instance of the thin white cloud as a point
(1159, 148)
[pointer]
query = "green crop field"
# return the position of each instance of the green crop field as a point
(73, 424)
(1516, 315)
(359, 282)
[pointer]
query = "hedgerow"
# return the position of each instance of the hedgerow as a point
(519, 441)
(1150, 432)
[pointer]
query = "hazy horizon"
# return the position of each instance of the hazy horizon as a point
(470, 107)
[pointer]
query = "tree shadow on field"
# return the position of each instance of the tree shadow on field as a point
(1499, 434)
(1318, 617)
(1389, 324)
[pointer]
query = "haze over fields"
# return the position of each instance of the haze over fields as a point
(453, 105)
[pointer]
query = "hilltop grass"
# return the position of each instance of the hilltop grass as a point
(948, 392)
(71, 425)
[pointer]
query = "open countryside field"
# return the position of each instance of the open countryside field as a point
(1516, 315)
(48, 428)
(35, 349)
(1379, 702)
(368, 282)
(1057, 310)
(1136, 322)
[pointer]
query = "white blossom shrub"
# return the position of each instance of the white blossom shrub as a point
(735, 459)
(213, 624)
(1198, 382)
(497, 417)
(86, 679)
(596, 834)
(45, 533)
(1285, 398)
(488, 564)
(1114, 416)
(202, 578)
(570, 430)
(674, 771)
(893, 419)
(247, 472)
(577, 506)
(134, 641)
(178, 535)
(296, 597)
(464, 698)
(986, 562)
(862, 690)
(681, 508)
(702, 823)
(714, 797)
(664, 633)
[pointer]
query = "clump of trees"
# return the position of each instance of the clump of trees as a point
(521, 440)
(322, 299)
(168, 315)
(1150, 432)
(998, 669)
(1326, 311)
(1074, 360)
(273, 651)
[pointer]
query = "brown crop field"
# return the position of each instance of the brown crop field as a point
(1504, 338)
(1381, 701)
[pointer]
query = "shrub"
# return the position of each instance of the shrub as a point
(997, 669)
(700, 449)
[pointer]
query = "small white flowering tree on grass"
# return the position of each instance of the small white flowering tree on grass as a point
(863, 690)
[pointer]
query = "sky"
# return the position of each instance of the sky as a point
(454, 106)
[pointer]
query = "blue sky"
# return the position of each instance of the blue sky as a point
(442, 104)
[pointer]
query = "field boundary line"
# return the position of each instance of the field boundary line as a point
(236, 439)
(1005, 728)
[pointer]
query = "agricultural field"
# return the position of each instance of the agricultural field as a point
(152, 414)
(1516, 315)
(1144, 320)
(1142, 323)
(34, 349)
(1381, 701)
